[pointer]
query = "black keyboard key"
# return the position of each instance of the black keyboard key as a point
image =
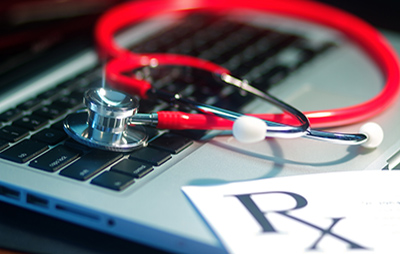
(269, 50)
(234, 45)
(55, 159)
(192, 134)
(50, 136)
(50, 111)
(79, 81)
(31, 122)
(51, 94)
(24, 151)
(79, 92)
(13, 133)
(211, 36)
(113, 180)
(242, 69)
(90, 164)
(151, 132)
(69, 101)
(171, 142)
(10, 115)
(133, 168)
(3, 144)
(271, 77)
(30, 104)
(58, 125)
(151, 155)
(76, 145)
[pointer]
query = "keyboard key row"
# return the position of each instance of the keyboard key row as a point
(10, 115)
(122, 174)
(81, 163)
(13, 133)
(31, 122)
(51, 111)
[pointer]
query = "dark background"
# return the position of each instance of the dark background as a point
(380, 13)
(25, 231)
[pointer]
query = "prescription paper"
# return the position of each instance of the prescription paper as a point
(346, 212)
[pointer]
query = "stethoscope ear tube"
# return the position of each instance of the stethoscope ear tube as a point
(360, 32)
(90, 127)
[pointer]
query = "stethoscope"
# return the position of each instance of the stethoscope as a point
(111, 120)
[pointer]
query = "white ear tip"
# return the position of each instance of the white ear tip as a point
(248, 129)
(374, 133)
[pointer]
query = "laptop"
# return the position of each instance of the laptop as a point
(137, 196)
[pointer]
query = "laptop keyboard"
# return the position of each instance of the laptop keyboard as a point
(32, 132)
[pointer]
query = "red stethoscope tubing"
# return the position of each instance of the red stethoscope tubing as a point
(123, 60)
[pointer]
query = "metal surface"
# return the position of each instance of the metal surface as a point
(133, 137)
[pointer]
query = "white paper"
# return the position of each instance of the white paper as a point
(347, 212)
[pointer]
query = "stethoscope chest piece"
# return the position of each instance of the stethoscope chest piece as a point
(105, 123)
